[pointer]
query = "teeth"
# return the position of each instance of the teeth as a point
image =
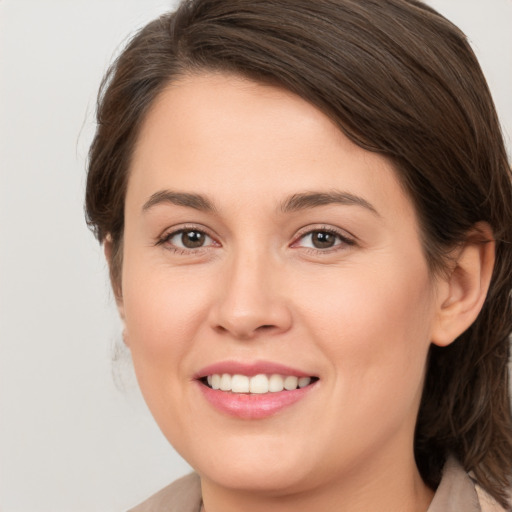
(275, 383)
(240, 384)
(304, 381)
(225, 382)
(257, 384)
(291, 382)
(215, 381)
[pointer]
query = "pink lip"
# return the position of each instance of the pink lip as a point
(252, 406)
(250, 369)
(246, 405)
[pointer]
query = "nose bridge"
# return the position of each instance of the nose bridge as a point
(250, 299)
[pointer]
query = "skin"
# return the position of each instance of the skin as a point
(360, 315)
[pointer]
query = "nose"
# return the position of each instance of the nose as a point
(251, 298)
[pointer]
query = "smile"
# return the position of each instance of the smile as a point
(256, 384)
(253, 391)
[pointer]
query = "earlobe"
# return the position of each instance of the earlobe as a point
(462, 292)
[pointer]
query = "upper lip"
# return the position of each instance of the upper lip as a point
(250, 369)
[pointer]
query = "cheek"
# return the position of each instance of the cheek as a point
(374, 326)
(366, 299)
(163, 311)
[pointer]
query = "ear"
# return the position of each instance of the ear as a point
(114, 264)
(462, 292)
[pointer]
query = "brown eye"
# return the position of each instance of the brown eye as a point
(192, 239)
(188, 239)
(323, 239)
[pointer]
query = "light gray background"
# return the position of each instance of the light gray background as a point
(74, 432)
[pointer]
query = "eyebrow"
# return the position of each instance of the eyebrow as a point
(308, 200)
(195, 201)
(294, 203)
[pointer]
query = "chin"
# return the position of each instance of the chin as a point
(272, 479)
(263, 467)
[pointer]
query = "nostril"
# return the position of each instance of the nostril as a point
(245, 334)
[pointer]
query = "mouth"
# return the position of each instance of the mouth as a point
(254, 390)
(259, 384)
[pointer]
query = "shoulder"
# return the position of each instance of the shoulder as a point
(459, 491)
(183, 495)
(487, 502)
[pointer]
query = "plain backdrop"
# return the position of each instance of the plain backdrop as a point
(75, 434)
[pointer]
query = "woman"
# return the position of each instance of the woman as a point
(306, 210)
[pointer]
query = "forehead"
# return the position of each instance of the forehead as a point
(224, 135)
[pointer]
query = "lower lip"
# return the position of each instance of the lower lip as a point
(253, 406)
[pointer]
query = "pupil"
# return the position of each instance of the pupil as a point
(323, 240)
(192, 239)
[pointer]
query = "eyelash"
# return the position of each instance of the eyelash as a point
(343, 240)
(166, 238)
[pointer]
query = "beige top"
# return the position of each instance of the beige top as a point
(457, 492)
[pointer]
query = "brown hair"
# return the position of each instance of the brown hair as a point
(398, 79)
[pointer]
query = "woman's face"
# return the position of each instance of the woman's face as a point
(259, 242)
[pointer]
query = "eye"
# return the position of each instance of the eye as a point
(323, 239)
(187, 239)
